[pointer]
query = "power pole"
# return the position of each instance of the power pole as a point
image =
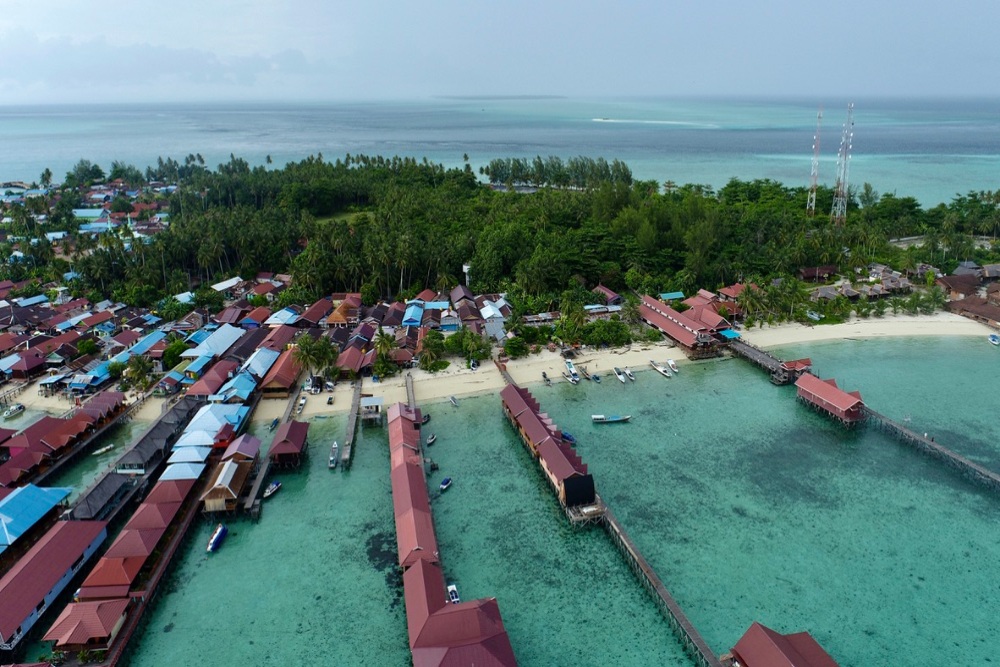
(839, 213)
(814, 174)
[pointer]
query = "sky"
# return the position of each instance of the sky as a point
(67, 51)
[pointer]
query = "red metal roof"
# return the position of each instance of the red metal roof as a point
(289, 438)
(827, 394)
(315, 313)
(423, 594)
(470, 633)
(761, 646)
(213, 379)
(170, 491)
(654, 316)
(37, 572)
(283, 373)
(113, 571)
(86, 622)
(246, 446)
(279, 337)
(131, 543)
(153, 516)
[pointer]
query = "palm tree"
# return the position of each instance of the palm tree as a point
(385, 343)
(305, 353)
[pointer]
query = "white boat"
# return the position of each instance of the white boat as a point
(628, 374)
(610, 419)
(619, 375)
(215, 541)
(660, 368)
(571, 369)
(272, 489)
(453, 594)
(454, 401)
(432, 439)
(334, 455)
(104, 449)
(13, 411)
(570, 378)
(994, 338)
(673, 365)
(302, 405)
(445, 484)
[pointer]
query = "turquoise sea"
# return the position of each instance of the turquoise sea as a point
(748, 505)
(931, 149)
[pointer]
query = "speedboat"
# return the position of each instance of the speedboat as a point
(545, 377)
(673, 365)
(572, 370)
(274, 424)
(445, 484)
(453, 594)
(619, 375)
(610, 419)
(432, 439)
(568, 437)
(215, 541)
(13, 411)
(628, 374)
(994, 338)
(302, 405)
(660, 368)
(473, 365)
(334, 455)
(570, 378)
(272, 489)
(105, 448)
(595, 377)
(454, 401)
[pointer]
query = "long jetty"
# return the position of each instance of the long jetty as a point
(352, 424)
(779, 370)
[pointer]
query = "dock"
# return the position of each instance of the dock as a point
(411, 397)
(782, 372)
(692, 641)
(969, 469)
(8, 395)
(347, 450)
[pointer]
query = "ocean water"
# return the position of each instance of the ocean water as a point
(928, 149)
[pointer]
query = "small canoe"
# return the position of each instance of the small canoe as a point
(628, 374)
(454, 401)
(610, 419)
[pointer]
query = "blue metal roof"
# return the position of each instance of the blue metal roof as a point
(146, 342)
(240, 386)
(729, 333)
(32, 300)
(198, 366)
(670, 296)
(414, 315)
(23, 508)
(182, 471)
(437, 305)
(198, 337)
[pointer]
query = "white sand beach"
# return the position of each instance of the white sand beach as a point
(939, 324)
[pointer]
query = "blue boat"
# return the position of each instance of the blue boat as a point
(274, 424)
(995, 339)
(216, 540)
(445, 484)
(568, 437)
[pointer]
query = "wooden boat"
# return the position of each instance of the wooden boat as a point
(545, 377)
(105, 448)
(994, 338)
(215, 541)
(660, 368)
(334, 455)
(445, 484)
(13, 411)
(432, 439)
(454, 401)
(610, 419)
(568, 437)
(673, 365)
(272, 489)
(570, 378)
(628, 374)
(453, 594)
(274, 424)
(619, 375)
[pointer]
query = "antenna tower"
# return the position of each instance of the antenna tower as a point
(814, 174)
(839, 213)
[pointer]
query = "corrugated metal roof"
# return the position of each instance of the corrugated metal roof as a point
(182, 471)
(85, 622)
(217, 343)
(23, 508)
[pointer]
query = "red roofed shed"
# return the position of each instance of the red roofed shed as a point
(761, 646)
(289, 445)
(827, 397)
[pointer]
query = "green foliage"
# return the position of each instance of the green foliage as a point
(206, 297)
(87, 346)
(515, 347)
(172, 353)
(606, 332)
(384, 366)
(468, 344)
(116, 369)
(294, 295)
(257, 300)
(172, 309)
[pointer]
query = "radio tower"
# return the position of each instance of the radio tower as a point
(814, 174)
(839, 213)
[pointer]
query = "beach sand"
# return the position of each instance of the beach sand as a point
(939, 324)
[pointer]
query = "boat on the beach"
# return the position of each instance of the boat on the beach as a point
(473, 365)
(453, 594)
(445, 484)
(334, 455)
(610, 419)
(215, 541)
(432, 439)
(454, 401)
(545, 377)
(13, 411)
(595, 377)
(274, 424)
(994, 338)
(571, 369)
(628, 374)
(105, 448)
(673, 365)
(329, 400)
(302, 405)
(619, 375)
(570, 378)
(660, 368)
(569, 437)
(272, 489)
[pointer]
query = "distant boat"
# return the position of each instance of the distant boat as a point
(595, 377)
(660, 368)
(334, 455)
(570, 378)
(105, 448)
(545, 377)
(215, 541)
(454, 401)
(586, 375)
(610, 419)
(13, 411)
(272, 489)
(274, 424)
(628, 374)
(994, 338)
(432, 439)
(453, 594)
(673, 365)
(426, 418)
(568, 437)
(445, 484)
(619, 375)
(571, 369)
(329, 400)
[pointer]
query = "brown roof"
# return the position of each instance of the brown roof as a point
(761, 646)
(289, 438)
(132, 543)
(113, 571)
(279, 337)
(213, 379)
(316, 312)
(170, 491)
(283, 373)
(157, 515)
(86, 622)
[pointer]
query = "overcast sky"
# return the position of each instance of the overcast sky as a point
(73, 51)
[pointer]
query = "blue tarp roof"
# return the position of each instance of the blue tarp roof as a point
(437, 305)
(23, 508)
(729, 333)
(670, 296)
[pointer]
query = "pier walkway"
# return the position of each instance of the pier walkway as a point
(411, 397)
(781, 373)
(8, 395)
(682, 627)
(922, 443)
(352, 424)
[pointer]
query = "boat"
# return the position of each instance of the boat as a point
(215, 541)
(545, 377)
(994, 338)
(610, 419)
(473, 365)
(568, 437)
(272, 489)
(619, 375)
(274, 424)
(13, 411)
(302, 405)
(570, 378)
(426, 418)
(660, 368)
(595, 377)
(432, 439)
(572, 370)
(445, 484)
(673, 365)
(329, 400)
(454, 401)
(105, 448)
(628, 374)
(453, 594)
(334, 455)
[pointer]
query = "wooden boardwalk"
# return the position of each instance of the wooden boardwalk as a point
(411, 397)
(922, 443)
(352, 424)
(8, 395)
(254, 496)
(762, 358)
(682, 627)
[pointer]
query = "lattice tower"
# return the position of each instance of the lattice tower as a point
(814, 173)
(839, 212)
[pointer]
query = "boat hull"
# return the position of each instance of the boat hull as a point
(217, 537)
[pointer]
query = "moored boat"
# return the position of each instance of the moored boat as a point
(571, 369)
(13, 411)
(426, 418)
(334, 455)
(545, 377)
(105, 448)
(610, 419)
(673, 365)
(274, 424)
(272, 489)
(660, 368)
(569, 437)
(585, 374)
(445, 484)
(628, 374)
(595, 377)
(453, 594)
(432, 439)
(994, 338)
(302, 405)
(454, 401)
(619, 375)
(570, 378)
(215, 541)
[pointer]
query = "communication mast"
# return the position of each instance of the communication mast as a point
(839, 213)
(814, 174)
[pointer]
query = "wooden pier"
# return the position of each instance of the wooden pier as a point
(682, 627)
(411, 397)
(252, 503)
(352, 424)
(781, 372)
(8, 395)
(926, 445)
